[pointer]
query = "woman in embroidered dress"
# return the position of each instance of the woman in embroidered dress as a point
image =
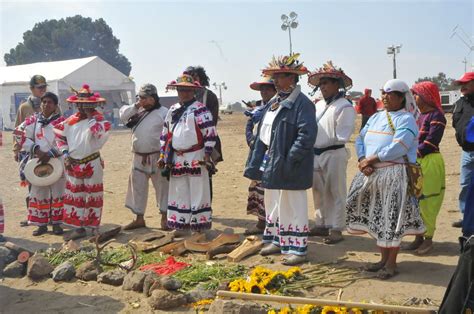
(36, 136)
(431, 127)
(378, 202)
(80, 138)
(188, 138)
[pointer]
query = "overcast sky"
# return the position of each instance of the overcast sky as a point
(234, 40)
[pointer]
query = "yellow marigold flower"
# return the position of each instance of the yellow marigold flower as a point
(332, 310)
(203, 302)
(305, 309)
(237, 285)
(272, 311)
(285, 310)
(292, 271)
(355, 310)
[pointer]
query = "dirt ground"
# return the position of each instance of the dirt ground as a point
(421, 277)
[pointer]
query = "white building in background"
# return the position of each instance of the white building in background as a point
(112, 84)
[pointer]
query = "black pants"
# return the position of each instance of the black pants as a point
(459, 296)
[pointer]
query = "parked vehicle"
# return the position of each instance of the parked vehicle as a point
(448, 98)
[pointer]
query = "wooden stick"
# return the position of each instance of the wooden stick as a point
(322, 302)
(18, 249)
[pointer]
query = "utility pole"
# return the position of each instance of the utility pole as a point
(220, 87)
(393, 50)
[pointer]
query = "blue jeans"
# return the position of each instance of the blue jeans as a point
(467, 168)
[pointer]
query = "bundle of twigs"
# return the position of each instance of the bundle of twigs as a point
(324, 275)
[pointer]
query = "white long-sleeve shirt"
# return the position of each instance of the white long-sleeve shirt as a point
(336, 125)
(146, 136)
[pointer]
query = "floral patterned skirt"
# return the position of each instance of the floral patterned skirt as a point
(380, 205)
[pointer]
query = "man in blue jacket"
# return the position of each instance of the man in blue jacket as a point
(282, 158)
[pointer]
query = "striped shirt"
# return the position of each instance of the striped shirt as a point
(431, 126)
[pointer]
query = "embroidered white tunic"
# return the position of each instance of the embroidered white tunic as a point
(45, 202)
(146, 147)
(83, 197)
(193, 135)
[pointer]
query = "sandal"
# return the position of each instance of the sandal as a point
(24, 223)
(270, 249)
(134, 225)
(318, 232)
(333, 239)
(57, 230)
(75, 234)
(41, 230)
(412, 246)
(386, 273)
(425, 248)
(374, 267)
(164, 223)
(293, 260)
(254, 230)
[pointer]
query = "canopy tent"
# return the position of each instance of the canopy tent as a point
(116, 87)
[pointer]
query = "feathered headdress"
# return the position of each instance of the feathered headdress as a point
(85, 96)
(285, 64)
(184, 81)
(331, 71)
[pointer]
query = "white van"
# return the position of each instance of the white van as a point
(448, 98)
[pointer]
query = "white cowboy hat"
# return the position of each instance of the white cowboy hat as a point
(43, 174)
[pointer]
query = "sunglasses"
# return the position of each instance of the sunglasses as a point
(41, 87)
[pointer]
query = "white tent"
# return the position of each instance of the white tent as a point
(116, 87)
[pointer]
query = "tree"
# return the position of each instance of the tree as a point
(70, 38)
(444, 83)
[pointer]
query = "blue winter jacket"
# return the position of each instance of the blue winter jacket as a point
(290, 164)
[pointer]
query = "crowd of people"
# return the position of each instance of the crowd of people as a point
(294, 145)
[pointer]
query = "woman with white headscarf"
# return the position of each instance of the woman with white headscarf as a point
(378, 202)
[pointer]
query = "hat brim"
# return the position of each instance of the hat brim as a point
(183, 85)
(460, 82)
(315, 78)
(258, 85)
(289, 71)
(53, 177)
(98, 100)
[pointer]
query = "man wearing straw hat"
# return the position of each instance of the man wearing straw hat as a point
(255, 202)
(36, 135)
(80, 138)
(187, 140)
(335, 116)
(282, 159)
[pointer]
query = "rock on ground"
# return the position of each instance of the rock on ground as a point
(64, 272)
(166, 300)
(151, 282)
(7, 256)
(88, 271)
(114, 277)
(38, 267)
(170, 283)
(200, 294)
(236, 307)
(14, 270)
(134, 281)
